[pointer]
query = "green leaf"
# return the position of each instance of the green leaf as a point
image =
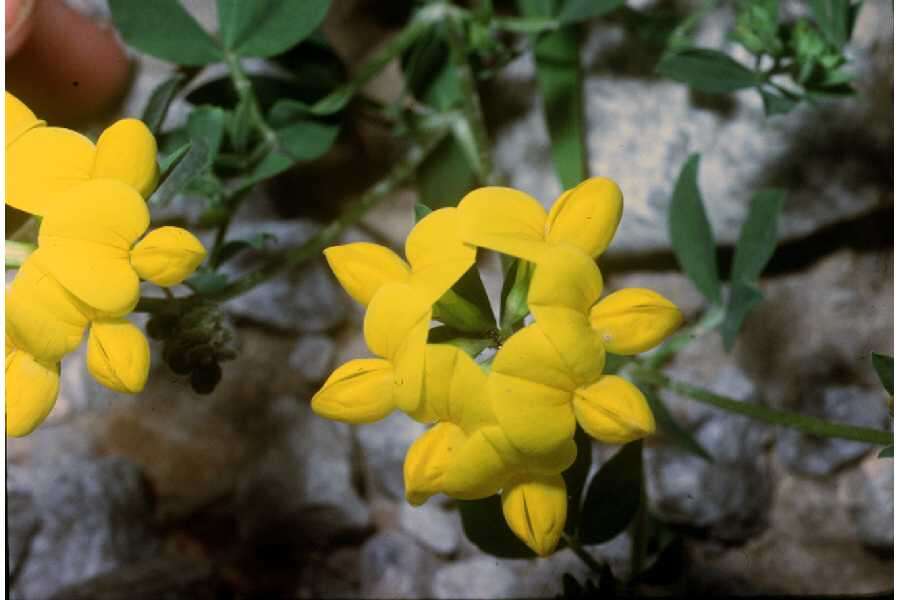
(190, 166)
(833, 19)
(707, 70)
(301, 141)
(887, 452)
(575, 477)
(232, 248)
(776, 103)
(264, 28)
(421, 211)
(759, 236)
(208, 124)
(575, 11)
(160, 100)
(473, 346)
(670, 428)
(462, 314)
(884, 367)
(613, 496)
(743, 297)
(691, 235)
(207, 282)
(514, 295)
(168, 161)
(559, 76)
(485, 526)
(164, 29)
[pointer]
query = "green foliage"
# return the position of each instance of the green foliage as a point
(575, 477)
(207, 123)
(514, 295)
(756, 27)
(884, 367)
(754, 249)
(263, 28)
(707, 70)
(613, 496)
(691, 236)
(670, 428)
(560, 80)
(887, 452)
(575, 11)
(158, 104)
(164, 29)
(189, 166)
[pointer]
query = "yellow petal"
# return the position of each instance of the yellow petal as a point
(634, 320)
(19, 119)
(118, 355)
(587, 216)
(437, 254)
(481, 466)
(167, 256)
(362, 268)
(505, 220)
(126, 151)
(42, 318)
(614, 411)
(565, 284)
(454, 388)
(31, 390)
(535, 509)
(427, 459)
(564, 276)
(85, 239)
(396, 328)
(359, 391)
(43, 164)
(537, 418)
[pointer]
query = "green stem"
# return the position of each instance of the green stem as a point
(245, 93)
(327, 235)
(471, 104)
(639, 532)
(581, 553)
(804, 423)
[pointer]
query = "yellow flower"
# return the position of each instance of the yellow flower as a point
(31, 389)
(399, 297)
(514, 223)
(118, 355)
(436, 254)
(467, 456)
(91, 233)
(43, 162)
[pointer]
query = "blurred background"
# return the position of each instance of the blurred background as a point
(172, 494)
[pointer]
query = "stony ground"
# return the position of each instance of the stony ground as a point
(247, 491)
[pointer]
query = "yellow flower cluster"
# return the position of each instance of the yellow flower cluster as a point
(510, 428)
(88, 265)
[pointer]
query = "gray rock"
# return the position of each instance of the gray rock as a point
(393, 566)
(383, 447)
(641, 129)
(731, 495)
(479, 577)
(335, 577)
(872, 503)
(431, 526)
(23, 519)
(95, 516)
(816, 456)
(301, 485)
(307, 299)
(313, 357)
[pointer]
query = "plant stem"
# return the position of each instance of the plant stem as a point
(471, 105)
(581, 553)
(708, 322)
(804, 423)
(245, 93)
(328, 234)
(639, 531)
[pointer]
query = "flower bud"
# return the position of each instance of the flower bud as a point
(167, 256)
(535, 509)
(614, 411)
(360, 391)
(118, 355)
(634, 320)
